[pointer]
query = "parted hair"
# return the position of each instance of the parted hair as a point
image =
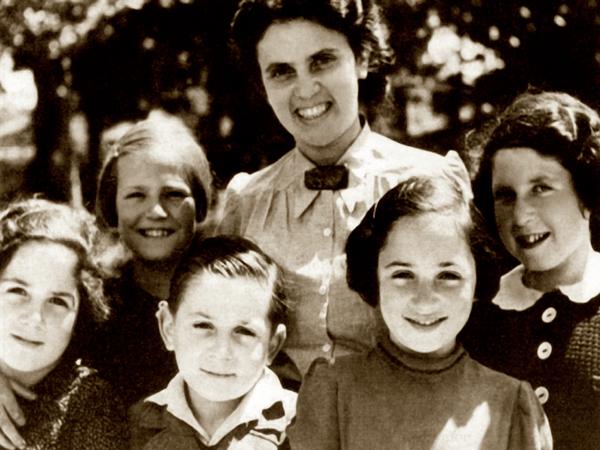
(418, 194)
(230, 257)
(171, 141)
(554, 124)
(359, 21)
(38, 220)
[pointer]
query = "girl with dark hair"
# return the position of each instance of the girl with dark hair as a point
(538, 188)
(414, 257)
(51, 303)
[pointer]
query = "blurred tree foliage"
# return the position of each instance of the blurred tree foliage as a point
(458, 63)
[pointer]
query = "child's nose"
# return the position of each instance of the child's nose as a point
(522, 212)
(157, 211)
(32, 315)
(222, 348)
(425, 297)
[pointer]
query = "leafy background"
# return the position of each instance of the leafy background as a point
(98, 65)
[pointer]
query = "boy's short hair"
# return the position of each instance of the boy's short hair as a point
(419, 194)
(230, 257)
(168, 139)
(37, 220)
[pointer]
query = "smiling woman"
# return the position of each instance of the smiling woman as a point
(154, 188)
(316, 60)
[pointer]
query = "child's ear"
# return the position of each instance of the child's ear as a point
(165, 324)
(276, 342)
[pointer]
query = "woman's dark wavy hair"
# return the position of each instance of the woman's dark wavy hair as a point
(38, 220)
(359, 20)
(420, 194)
(231, 257)
(173, 142)
(554, 124)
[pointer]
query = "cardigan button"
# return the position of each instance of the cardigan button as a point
(542, 394)
(544, 350)
(549, 315)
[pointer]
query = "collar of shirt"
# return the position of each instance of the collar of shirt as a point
(266, 392)
(353, 159)
(514, 295)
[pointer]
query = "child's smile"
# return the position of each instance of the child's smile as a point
(38, 307)
(221, 335)
(539, 216)
(426, 276)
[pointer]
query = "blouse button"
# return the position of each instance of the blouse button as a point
(544, 350)
(326, 347)
(327, 232)
(542, 394)
(323, 289)
(549, 315)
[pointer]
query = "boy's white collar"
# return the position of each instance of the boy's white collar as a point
(264, 394)
(514, 295)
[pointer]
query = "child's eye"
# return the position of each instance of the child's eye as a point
(504, 195)
(245, 331)
(203, 325)
(540, 188)
(134, 195)
(403, 275)
(59, 301)
(17, 290)
(176, 194)
(450, 276)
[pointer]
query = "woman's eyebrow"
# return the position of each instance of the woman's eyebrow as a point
(277, 66)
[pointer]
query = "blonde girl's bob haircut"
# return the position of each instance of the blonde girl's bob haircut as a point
(171, 141)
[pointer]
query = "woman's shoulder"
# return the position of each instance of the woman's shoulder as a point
(248, 184)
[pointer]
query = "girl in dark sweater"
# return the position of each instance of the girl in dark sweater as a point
(537, 186)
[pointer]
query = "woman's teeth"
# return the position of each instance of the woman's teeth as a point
(312, 112)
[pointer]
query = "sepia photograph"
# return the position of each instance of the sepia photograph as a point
(300, 224)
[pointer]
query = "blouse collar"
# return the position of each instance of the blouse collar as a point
(353, 158)
(514, 295)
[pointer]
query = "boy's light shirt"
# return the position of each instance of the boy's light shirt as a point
(514, 295)
(266, 392)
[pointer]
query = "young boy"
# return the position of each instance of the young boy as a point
(225, 321)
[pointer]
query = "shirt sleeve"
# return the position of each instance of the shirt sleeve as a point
(529, 427)
(230, 211)
(317, 426)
